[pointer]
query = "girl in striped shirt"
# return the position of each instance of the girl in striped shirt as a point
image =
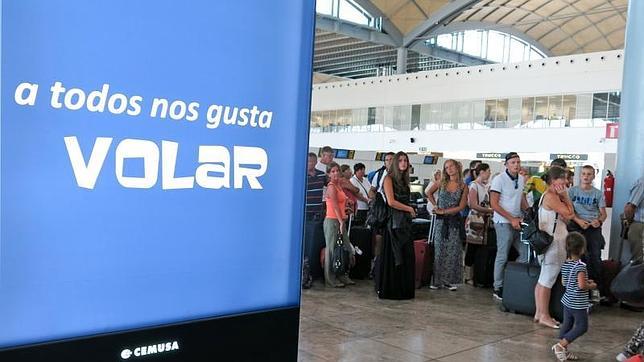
(575, 300)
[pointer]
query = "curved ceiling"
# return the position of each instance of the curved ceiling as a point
(561, 27)
(556, 27)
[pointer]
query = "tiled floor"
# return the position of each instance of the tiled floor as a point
(351, 324)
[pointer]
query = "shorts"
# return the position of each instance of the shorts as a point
(551, 263)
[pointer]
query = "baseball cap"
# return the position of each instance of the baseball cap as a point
(511, 155)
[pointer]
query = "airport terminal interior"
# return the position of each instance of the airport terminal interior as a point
(454, 84)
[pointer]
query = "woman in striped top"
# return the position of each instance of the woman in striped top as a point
(575, 299)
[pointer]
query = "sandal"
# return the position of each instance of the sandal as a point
(553, 325)
(560, 352)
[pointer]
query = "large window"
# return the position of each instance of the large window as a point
(349, 11)
(488, 44)
(606, 106)
(551, 111)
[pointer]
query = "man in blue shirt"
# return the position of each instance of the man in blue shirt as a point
(313, 234)
(634, 213)
(590, 213)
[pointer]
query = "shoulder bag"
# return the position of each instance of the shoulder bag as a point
(539, 240)
(476, 225)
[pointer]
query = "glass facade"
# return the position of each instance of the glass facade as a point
(349, 11)
(492, 45)
(552, 111)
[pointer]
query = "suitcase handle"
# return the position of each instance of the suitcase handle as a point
(430, 236)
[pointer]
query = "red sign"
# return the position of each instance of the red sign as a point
(612, 130)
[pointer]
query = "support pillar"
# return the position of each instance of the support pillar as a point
(630, 147)
(401, 61)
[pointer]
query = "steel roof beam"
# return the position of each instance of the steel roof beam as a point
(335, 25)
(445, 13)
(448, 55)
(387, 25)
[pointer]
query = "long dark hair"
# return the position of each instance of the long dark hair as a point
(400, 178)
(480, 168)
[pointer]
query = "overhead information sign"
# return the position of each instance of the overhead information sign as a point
(491, 155)
(569, 156)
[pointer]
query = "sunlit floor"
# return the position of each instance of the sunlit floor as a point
(352, 324)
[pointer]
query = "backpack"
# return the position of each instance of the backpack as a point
(379, 211)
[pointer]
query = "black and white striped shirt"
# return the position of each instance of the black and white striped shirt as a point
(574, 297)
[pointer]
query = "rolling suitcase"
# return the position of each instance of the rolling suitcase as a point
(484, 262)
(360, 237)
(518, 289)
(424, 252)
(610, 269)
(420, 228)
(484, 267)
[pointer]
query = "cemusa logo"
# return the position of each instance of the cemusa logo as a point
(151, 349)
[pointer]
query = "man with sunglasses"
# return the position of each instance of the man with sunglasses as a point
(507, 200)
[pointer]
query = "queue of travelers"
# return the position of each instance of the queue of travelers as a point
(461, 202)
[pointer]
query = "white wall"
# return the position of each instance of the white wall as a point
(541, 140)
(582, 73)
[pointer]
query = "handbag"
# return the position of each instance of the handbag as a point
(476, 226)
(539, 240)
(339, 262)
(628, 285)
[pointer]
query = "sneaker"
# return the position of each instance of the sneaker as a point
(498, 294)
(434, 287)
(623, 356)
(559, 351)
(450, 287)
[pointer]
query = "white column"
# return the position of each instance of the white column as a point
(630, 148)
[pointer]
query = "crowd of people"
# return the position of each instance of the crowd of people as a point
(470, 206)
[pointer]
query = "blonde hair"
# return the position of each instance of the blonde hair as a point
(445, 178)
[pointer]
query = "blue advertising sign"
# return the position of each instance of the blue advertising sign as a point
(152, 162)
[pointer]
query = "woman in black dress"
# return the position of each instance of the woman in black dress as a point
(396, 269)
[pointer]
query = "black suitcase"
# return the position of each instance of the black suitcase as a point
(360, 237)
(484, 258)
(419, 228)
(518, 290)
(484, 266)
